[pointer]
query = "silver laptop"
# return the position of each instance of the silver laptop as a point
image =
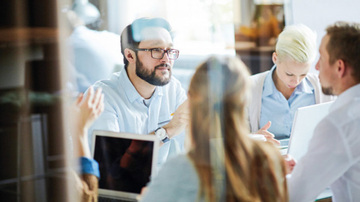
(126, 162)
(305, 121)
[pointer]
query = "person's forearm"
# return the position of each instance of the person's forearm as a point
(170, 131)
(83, 145)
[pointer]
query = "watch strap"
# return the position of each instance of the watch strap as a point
(166, 139)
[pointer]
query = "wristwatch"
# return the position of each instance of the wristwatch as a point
(162, 135)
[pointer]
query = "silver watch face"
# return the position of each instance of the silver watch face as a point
(161, 133)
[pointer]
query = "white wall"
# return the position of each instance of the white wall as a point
(318, 14)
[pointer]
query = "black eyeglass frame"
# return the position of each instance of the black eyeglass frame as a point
(163, 52)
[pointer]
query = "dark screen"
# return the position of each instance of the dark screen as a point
(125, 164)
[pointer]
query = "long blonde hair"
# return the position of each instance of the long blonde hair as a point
(220, 147)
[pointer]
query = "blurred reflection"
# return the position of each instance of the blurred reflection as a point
(96, 54)
(266, 25)
(31, 122)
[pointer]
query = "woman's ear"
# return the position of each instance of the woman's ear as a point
(130, 55)
(274, 57)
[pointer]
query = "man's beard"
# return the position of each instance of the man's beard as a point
(327, 90)
(150, 76)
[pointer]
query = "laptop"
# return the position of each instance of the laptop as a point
(305, 121)
(126, 162)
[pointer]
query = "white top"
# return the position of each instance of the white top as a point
(333, 157)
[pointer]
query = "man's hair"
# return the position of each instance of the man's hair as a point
(297, 42)
(344, 44)
(131, 35)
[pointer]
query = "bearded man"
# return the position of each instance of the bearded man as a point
(144, 98)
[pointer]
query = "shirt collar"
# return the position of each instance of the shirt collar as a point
(270, 88)
(304, 87)
(131, 91)
(346, 97)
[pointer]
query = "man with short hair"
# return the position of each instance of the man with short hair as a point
(333, 157)
(144, 98)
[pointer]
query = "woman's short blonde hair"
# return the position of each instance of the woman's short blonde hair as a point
(296, 42)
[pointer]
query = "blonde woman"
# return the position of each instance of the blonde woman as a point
(278, 93)
(223, 163)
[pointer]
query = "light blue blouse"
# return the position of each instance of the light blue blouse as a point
(126, 111)
(176, 181)
(280, 111)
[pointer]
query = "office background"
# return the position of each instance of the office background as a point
(35, 152)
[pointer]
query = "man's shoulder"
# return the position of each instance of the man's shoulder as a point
(345, 114)
(111, 82)
(342, 118)
(110, 86)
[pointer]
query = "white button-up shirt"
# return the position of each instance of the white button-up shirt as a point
(333, 157)
(126, 111)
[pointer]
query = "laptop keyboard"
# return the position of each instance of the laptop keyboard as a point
(284, 142)
(106, 199)
(283, 146)
(103, 199)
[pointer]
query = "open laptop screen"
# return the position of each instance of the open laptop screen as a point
(126, 162)
(305, 121)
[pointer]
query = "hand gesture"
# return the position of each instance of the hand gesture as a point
(290, 163)
(87, 109)
(269, 136)
(179, 121)
(84, 112)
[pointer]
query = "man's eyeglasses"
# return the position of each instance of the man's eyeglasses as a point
(158, 53)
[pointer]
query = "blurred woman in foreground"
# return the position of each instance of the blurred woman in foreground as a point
(223, 163)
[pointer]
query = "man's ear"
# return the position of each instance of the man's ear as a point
(130, 55)
(342, 69)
